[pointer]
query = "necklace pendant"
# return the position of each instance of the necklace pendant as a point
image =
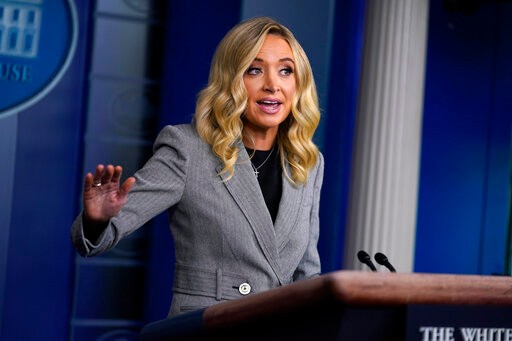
(255, 169)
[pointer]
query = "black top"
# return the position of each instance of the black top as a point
(269, 176)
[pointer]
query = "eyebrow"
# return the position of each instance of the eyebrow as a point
(286, 59)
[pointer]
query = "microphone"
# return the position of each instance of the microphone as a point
(366, 259)
(383, 260)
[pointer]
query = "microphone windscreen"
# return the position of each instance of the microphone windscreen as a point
(381, 258)
(363, 256)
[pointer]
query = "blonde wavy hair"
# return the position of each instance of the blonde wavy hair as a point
(222, 103)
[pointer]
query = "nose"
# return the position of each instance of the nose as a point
(271, 84)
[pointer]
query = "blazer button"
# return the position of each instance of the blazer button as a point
(244, 288)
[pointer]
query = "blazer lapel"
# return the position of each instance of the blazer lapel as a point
(286, 220)
(245, 190)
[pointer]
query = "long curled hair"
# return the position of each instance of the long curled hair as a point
(222, 103)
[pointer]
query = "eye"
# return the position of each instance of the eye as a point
(286, 71)
(252, 70)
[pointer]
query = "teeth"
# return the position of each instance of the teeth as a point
(269, 102)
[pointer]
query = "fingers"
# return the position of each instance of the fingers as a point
(108, 173)
(118, 170)
(102, 176)
(98, 173)
(88, 181)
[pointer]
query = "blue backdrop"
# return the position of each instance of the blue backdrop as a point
(466, 145)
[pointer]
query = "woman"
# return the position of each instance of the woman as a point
(241, 183)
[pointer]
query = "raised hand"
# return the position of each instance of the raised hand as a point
(103, 196)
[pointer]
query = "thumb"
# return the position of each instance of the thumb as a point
(126, 186)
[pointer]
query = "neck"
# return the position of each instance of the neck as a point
(259, 141)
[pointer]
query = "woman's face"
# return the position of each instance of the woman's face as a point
(270, 84)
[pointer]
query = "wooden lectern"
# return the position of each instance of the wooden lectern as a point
(353, 305)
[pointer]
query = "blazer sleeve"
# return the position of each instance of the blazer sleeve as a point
(158, 186)
(309, 265)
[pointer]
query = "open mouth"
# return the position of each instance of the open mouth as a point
(269, 103)
(269, 106)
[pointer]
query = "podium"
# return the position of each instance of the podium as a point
(356, 305)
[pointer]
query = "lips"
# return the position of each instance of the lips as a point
(269, 106)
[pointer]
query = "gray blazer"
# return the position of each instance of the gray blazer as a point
(226, 245)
